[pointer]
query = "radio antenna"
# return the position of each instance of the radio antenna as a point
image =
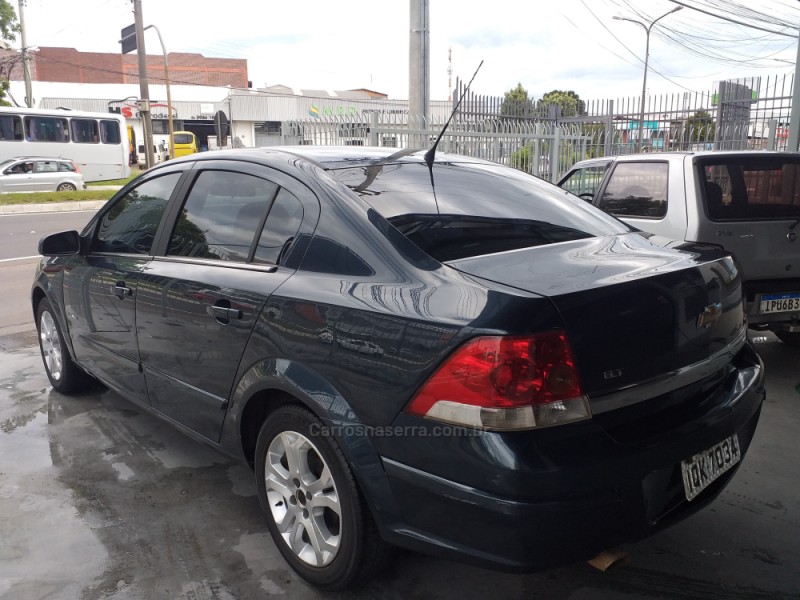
(431, 153)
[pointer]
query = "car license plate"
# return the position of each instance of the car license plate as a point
(773, 303)
(700, 470)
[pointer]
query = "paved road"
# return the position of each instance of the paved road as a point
(99, 500)
(20, 233)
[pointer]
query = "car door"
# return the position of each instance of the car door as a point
(646, 194)
(200, 300)
(19, 177)
(45, 176)
(100, 291)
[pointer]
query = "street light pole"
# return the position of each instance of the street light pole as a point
(647, 29)
(169, 94)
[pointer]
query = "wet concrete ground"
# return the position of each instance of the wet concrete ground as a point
(99, 500)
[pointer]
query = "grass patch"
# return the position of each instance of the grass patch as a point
(47, 197)
(134, 173)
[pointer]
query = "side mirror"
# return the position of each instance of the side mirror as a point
(60, 244)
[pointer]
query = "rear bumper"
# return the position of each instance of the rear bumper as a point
(552, 515)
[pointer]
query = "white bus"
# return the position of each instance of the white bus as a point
(96, 142)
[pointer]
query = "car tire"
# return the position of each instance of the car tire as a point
(792, 338)
(64, 375)
(66, 187)
(315, 512)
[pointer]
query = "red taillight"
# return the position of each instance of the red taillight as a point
(506, 382)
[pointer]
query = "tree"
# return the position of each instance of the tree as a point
(516, 103)
(9, 27)
(701, 126)
(569, 102)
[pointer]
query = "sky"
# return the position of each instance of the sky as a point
(347, 44)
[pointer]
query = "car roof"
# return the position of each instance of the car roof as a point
(334, 157)
(680, 154)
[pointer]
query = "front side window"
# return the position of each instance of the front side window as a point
(130, 225)
(46, 129)
(109, 132)
(637, 190)
(221, 215)
(584, 182)
(10, 128)
(84, 131)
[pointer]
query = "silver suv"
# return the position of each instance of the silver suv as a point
(745, 201)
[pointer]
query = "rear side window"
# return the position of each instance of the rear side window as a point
(130, 225)
(45, 166)
(280, 229)
(84, 131)
(46, 129)
(222, 213)
(10, 128)
(751, 187)
(109, 132)
(66, 167)
(637, 190)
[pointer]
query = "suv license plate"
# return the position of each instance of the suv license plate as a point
(700, 470)
(773, 303)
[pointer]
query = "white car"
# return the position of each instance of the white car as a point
(36, 174)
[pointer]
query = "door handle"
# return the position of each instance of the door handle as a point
(224, 314)
(120, 290)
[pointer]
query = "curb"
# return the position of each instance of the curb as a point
(16, 209)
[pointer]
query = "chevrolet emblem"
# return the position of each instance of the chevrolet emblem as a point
(710, 315)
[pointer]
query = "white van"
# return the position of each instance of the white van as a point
(160, 154)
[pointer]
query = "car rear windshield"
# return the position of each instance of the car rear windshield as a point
(183, 138)
(751, 187)
(477, 208)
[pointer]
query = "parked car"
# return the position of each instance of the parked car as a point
(745, 201)
(160, 154)
(38, 174)
(520, 380)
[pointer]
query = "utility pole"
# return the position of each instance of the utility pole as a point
(144, 88)
(419, 83)
(794, 118)
(647, 29)
(26, 59)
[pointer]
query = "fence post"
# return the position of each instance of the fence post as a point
(609, 129)
(373, 129)
(554, 151)
(283, 133)
(773, 129)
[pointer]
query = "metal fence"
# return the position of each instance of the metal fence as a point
(546, 140)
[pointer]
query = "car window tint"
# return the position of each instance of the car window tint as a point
(221, 216)
(584, 182)
(66, 166)
(637, 190)
(478, 208)
(109, 132)
(747, 188)
(10, 128)
(130, 225)
(45, 166)
(281, 226)
(46, 129)
(84, 131)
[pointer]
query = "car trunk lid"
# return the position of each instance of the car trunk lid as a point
(633, 309)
